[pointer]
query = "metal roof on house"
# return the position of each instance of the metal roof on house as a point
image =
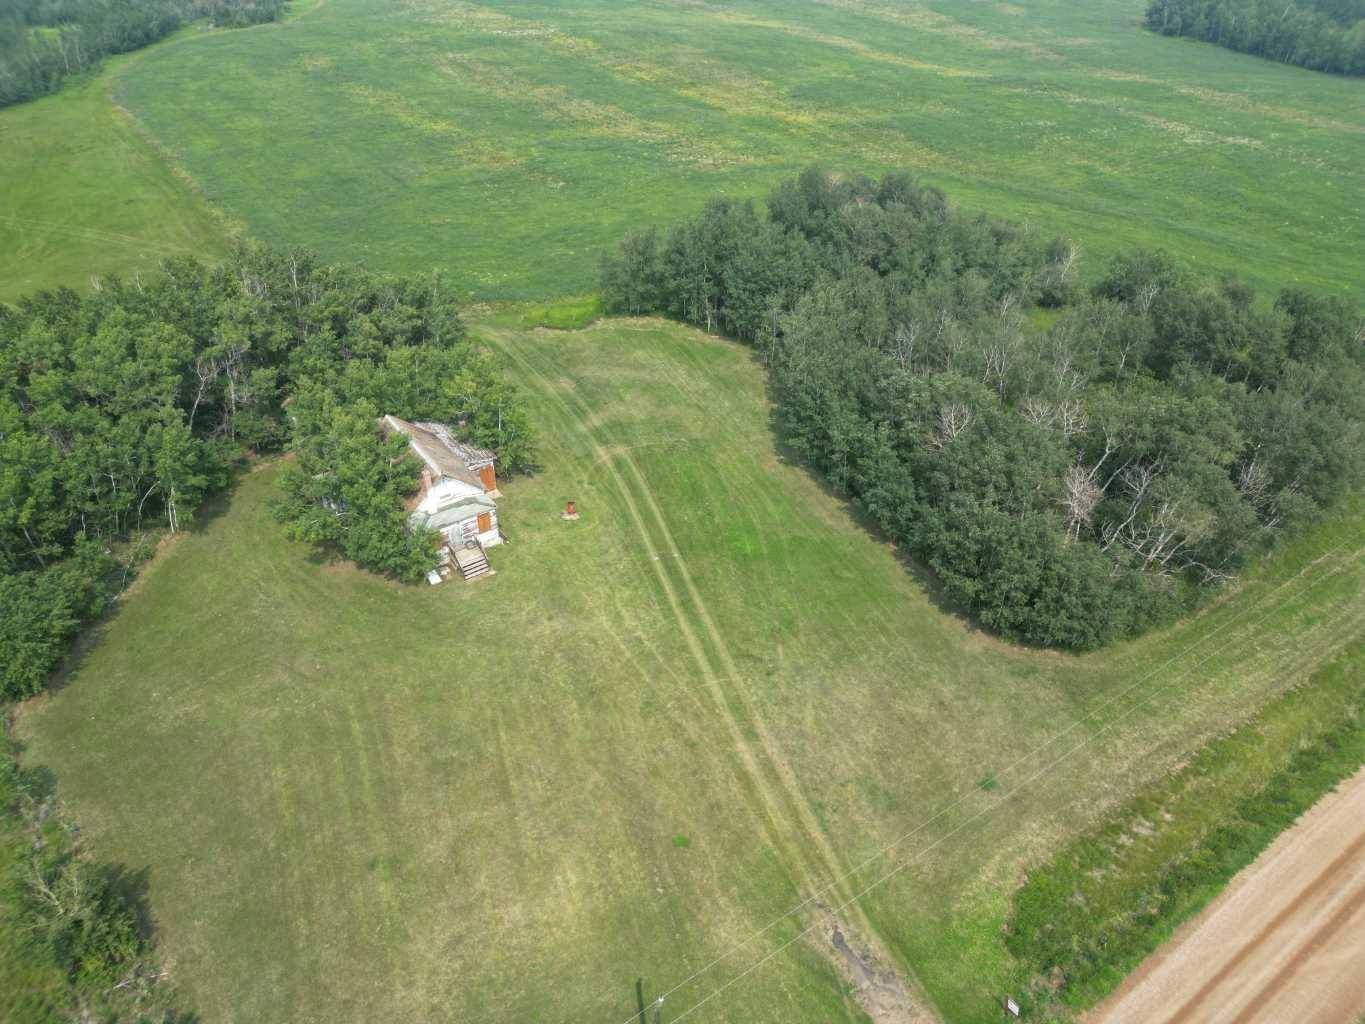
(474, 457)
(458, 511)
(444, 454)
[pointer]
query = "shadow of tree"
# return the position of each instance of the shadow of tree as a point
(857, 514)
(90, 635)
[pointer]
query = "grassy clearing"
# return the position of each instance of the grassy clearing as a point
(1109, 898)
(86, 195)
(652, 732)
(565, 315)
(510, 143)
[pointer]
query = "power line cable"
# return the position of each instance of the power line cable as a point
(1032, 753)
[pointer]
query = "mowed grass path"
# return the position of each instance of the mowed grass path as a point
(649, 735)
(510, 142)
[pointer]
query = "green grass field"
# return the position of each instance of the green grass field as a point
(84, 194)
(658, 729)
(509, 143)
(649, 735)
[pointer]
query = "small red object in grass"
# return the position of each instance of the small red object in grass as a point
(570, 511)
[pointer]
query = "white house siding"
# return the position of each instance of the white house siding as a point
(491, 536)
(468, 530)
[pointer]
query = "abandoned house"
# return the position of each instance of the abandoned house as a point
(458, 490)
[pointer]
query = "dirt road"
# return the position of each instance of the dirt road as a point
(1283, 944)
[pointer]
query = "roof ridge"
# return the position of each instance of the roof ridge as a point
(444, 453)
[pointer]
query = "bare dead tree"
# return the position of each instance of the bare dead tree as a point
(1080, 496)
(1065, 267)
(946, 339)
(953, 419)
(953, 345)
(147, 494)
(1156, 539)
(1211, 574)
(1137, 481)
(1157, 532)
(1039, 412)
(1254, 482)
(206, 372)
(233, 367)
(1082, 491)
(253, 285)
(997, 366)
(903, 344)
(1064, 372)
(1071, 417)
(172, 511)
(1059, 271)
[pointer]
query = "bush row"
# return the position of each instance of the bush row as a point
(122, 410)
(1067, 484)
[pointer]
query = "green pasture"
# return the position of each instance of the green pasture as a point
(84, 194)
(508, 144)
(652, 733)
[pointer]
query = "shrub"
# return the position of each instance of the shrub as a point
(41, 611)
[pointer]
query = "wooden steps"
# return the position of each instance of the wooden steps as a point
(472, 562)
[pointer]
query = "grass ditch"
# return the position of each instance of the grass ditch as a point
(1089, 916)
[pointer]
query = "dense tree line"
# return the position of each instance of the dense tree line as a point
(42, 42)
(1324, 35)
(1072, 466)
(122, 410)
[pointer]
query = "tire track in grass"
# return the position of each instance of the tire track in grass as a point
(768, 811)
(685, 382)
(770, 806)
(795, 799)
(647, 498)
(789, 815)
(93, 235)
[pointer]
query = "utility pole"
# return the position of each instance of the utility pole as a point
(658, 1009)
